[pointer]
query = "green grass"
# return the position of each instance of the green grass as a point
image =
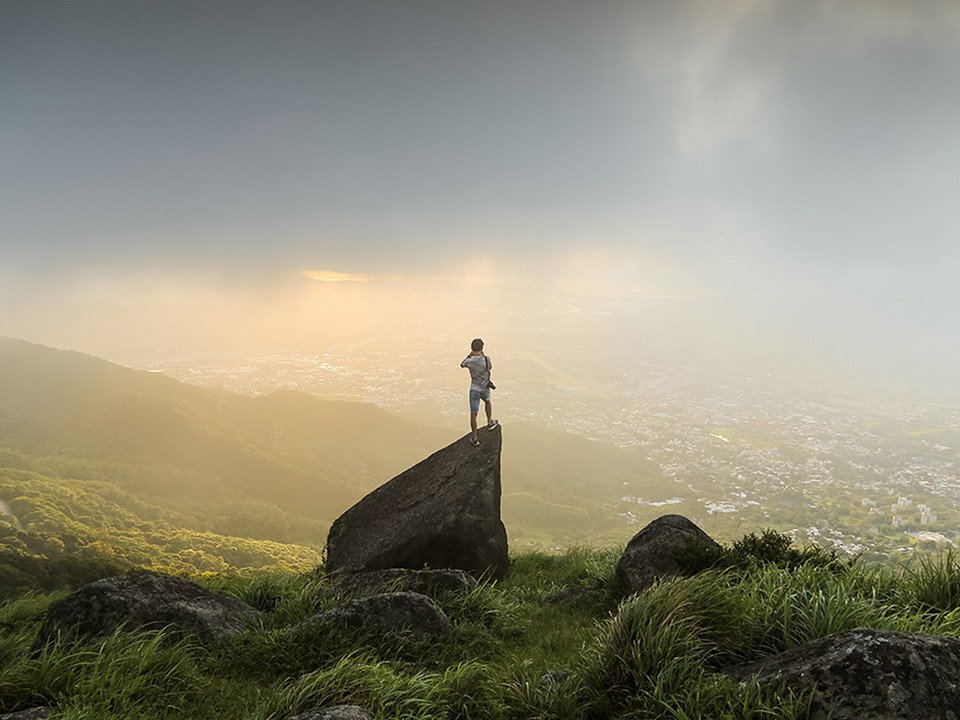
(526, 647)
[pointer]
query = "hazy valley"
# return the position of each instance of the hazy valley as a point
(735, 436)
(213, 461)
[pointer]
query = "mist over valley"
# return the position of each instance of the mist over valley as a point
(743, 426)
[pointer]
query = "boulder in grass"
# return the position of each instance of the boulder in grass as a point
(144, 601)
(867, 675)
(426, 582)
(404, 612)
(337, 712)
(444, 512)
(37, 713)
(664, 548)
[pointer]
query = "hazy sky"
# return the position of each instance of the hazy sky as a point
(792, 148)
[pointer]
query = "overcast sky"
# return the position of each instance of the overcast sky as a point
(769, 148)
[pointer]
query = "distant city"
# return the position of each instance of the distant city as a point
(868, 470)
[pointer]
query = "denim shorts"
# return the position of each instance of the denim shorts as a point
(476, 396)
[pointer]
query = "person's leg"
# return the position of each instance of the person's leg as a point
(474, 409)
(488, 406)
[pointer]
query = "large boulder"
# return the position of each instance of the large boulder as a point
(408, 612)
(444, 512)
(666, 547)
(144, 601)
(868, 675)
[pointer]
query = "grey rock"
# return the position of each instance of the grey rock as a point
(37, 713)
(573, 594)
(655, 552)
(444, 512)
(388, 612)
(554, 677)
(144, 601)
(426, 582)
(868, 675)
(337, 712)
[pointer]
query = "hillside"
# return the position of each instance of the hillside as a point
(116, 467)
(135, 467)
(181, 443)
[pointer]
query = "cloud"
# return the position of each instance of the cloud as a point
(334, 276)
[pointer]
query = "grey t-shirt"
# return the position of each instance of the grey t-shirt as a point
(479, 367)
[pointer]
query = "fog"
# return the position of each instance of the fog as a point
(601, 329)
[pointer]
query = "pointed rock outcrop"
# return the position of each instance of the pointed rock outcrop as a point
(444, 512)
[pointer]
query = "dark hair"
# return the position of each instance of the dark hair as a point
(476, 345)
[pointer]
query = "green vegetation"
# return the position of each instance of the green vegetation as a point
(61, 532)
(515, 651)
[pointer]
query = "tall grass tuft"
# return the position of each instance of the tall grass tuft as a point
(126, 675)
(935, 584)
(466, 690)
(789, 608)
(659, 656)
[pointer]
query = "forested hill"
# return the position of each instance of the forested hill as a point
(173, 441)
(103, 467)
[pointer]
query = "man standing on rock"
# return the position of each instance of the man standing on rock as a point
(480, 386)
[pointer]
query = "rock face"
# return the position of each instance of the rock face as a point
(868, 675)
(144, 601)
(444, 512)
(387, 612)
(653, 552)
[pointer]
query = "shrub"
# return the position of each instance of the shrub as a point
(774, 548)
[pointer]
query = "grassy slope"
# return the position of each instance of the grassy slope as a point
(656, 655)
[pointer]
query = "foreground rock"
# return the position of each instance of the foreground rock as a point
(660, 550)
(425, 582)
(37, 713)
(144, 601)
(868, 675)
(443, 512)
(337, 712)
(408, 612)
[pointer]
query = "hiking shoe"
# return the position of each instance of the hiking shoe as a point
(475, 442)
(492, 424)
